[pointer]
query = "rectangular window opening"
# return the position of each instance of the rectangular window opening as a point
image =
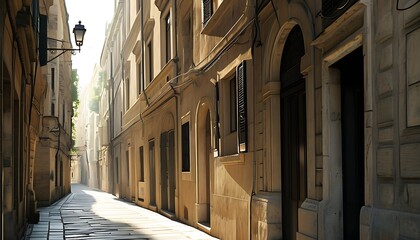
(127, 93)
(185, 147)
(150, 61)
(168, 36)
(52, 109)
(141, 151)
(207, 10)
(53, 79)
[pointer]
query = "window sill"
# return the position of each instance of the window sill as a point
(186, 176)
(233, 159)
(220, 15)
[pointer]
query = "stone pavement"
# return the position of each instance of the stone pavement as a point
(91, 214)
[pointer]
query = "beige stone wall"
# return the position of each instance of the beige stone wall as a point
(245, 189)
(19, 136)
(395, 177)
(52, 173)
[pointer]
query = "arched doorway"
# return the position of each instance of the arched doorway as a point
(293, 132)
(203, 166)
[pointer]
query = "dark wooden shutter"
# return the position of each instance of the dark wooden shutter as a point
(207, 10)
(43, 21)
(216, 110)
(242, 107)
(185, 138)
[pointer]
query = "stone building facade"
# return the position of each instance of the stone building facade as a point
(23, 107)
(52, 160)
(267, 119)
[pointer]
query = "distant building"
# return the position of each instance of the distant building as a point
(266, 119)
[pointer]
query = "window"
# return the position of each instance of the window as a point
(53, 79)
(127, 165)
(139, 83)
(231, 126)
(207, 10)
(242, 106)
(152, 173)
(52, 109)
(127, 93)
(232, 104)
(117, 172)
(149, 62)
(141, 152)
(168, 37)
(185, 147)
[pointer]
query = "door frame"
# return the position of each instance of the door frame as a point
(203, 209)
(331, 206)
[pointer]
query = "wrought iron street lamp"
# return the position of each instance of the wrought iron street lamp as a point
(79, 31)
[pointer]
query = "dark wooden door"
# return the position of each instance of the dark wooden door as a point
(152, 174)
(293, 148)
(171, 171)
(293, 133)
(164, 170)
(352, 130)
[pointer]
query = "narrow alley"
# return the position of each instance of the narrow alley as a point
(87, 213)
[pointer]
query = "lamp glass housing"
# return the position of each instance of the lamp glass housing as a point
(79, 33)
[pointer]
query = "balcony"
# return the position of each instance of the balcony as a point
(158, 88)
(224, 17)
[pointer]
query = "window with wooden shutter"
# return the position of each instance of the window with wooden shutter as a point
(242, 107)
(233, 105)
(216, 125)
(185, 138)
(207, 10)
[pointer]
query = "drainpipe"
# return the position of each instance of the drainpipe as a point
(2, 24)
(142, 50)
(111, 121)
(177, 99)
(254, 162)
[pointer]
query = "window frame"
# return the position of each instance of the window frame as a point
(208, 10)
(141, 163)
(127, 94)
(53, 79)
(185, 147)
(168, 36)
(232, 124)
(149, 62)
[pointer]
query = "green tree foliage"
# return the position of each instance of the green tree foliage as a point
(75, 101)
(95, 93)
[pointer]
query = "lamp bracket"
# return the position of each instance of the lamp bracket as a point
(63, 51)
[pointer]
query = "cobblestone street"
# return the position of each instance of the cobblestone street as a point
(91, 214)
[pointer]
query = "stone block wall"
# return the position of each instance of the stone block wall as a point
(396, 35)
